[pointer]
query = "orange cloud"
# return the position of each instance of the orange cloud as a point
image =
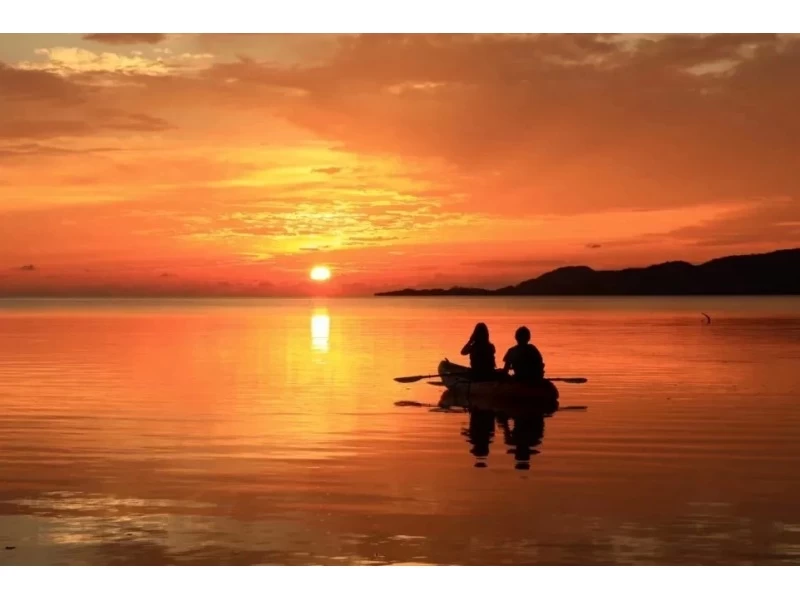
(543, 112)
(125, 38)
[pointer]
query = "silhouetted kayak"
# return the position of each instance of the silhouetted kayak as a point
(500, 394)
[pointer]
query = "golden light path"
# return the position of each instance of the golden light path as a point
(320, 330)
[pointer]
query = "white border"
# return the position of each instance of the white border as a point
(408, 16)
(389, 582)
(412, 16)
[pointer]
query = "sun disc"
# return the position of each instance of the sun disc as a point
(320, 273)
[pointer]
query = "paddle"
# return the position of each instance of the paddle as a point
(409, 379)
(440, 407)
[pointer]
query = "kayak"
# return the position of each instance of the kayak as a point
(501, 394)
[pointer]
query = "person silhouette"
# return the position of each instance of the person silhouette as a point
(481, 353)
(524, 358)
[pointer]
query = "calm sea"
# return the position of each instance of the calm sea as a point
(266, 431)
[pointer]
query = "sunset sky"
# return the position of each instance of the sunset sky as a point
(232, 164)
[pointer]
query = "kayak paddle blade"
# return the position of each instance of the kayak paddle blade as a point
(570, 380)
(407, 379)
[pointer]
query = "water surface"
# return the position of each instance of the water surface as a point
(265, 431)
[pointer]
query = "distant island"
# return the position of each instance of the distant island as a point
(775, 273)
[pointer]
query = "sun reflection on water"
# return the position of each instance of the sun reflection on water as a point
(320, 331)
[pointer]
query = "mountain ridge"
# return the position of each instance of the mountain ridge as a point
(748, 274)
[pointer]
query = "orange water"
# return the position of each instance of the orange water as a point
(265, 431)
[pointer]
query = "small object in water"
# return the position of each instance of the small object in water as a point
(10, 547)
(481, 464)
(708, 318)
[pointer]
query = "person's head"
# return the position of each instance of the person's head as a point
(523, 335)
(481, 333)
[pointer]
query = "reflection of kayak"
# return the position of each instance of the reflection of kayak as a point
(501, 394)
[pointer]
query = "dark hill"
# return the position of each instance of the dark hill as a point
(776, 273)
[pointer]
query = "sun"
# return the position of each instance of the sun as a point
(320, 273)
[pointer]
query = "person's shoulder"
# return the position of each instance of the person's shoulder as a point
(534, 350)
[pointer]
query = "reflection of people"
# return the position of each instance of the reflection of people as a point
(522, 433)
(527, 434)
(481, 353)
(524, 358)
(479, 434)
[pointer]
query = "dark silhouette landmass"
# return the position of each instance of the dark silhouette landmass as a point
(775, 273)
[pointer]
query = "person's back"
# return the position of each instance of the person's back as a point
(481, 359)
(524, 359)
(481, 353)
